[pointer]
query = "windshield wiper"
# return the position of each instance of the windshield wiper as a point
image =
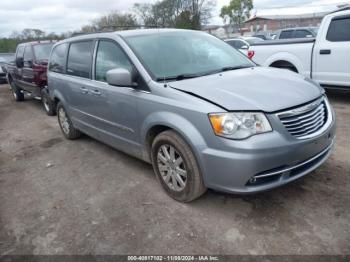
(178, 77)
(188, 76)
(231, 68)
(226, 68)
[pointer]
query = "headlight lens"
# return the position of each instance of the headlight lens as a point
(239, 125)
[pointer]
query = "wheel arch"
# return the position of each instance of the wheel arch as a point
(57, 97)
(160, 122)
(284, 64)
(286, 58)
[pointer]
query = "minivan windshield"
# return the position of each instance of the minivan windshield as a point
(185, 54)
(42, 51)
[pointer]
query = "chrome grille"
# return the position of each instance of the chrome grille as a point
(306, 121)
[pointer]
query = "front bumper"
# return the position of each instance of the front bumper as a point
(264, 161)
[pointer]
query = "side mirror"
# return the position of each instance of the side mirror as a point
(120, 77)
(245, 47)
(29, 63)
(19, 62)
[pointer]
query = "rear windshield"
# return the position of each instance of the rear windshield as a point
(169, 54)
(42, 51)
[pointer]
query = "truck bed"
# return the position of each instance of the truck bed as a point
(286, 41)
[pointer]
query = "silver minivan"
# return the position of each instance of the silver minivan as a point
(202, 113)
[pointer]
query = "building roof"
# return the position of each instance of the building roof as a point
(286, 17)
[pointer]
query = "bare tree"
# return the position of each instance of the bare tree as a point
(115, 21)
(176, 13)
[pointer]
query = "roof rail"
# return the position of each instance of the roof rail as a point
(113, 28)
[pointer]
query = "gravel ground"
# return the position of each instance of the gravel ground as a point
(83, 197)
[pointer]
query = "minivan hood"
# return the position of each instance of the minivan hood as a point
(257, 89)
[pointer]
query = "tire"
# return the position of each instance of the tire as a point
(66, 125)
(16, 92)
(170, 174)
(48, 104)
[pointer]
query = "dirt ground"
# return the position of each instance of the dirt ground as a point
(83, 197)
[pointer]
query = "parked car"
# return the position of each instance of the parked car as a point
(204, 115)
(27, 74)
(263, 36)
(243, 43)
(298, 32)
(324, 59)
(4, 59)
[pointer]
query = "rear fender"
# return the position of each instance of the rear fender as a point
(284, 56)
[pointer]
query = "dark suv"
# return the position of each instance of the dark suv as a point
(27, 74)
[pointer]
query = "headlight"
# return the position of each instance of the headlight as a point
(239, 125)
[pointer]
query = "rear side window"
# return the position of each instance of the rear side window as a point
(42, 51)
(302, 34)
(58, 58)
(28, 54)
(80, 59)
(339, 30)
(237, 43)
(286, 34)
(110, 56)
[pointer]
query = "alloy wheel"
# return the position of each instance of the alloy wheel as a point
(46, 104)
(63, 121)
(172, 167)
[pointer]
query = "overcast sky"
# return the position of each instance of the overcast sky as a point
(68, 15)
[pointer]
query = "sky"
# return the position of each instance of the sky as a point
(69, 15)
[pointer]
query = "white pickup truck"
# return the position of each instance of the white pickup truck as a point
(326, 58)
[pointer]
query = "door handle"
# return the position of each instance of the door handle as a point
(96, 92)
(84, 90)
(325, 52)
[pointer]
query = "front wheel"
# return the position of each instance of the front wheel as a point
(16, 92)
(66, 125)
(176, 167)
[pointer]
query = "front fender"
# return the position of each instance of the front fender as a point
(179, 124)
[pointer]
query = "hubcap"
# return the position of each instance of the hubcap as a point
(172, 167)
(63, 120)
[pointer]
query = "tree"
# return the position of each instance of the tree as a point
(236, 12)
(26, 35)
(190, 14)
(114, 21)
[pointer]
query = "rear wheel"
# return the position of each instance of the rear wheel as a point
(176, 167)
(16, 92)
(48, 104)
(66, 125)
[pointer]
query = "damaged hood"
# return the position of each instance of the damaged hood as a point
(257, 89)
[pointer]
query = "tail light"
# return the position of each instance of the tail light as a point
(39, 72)
(251, 54)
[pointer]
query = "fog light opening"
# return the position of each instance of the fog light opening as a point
(252, 180)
